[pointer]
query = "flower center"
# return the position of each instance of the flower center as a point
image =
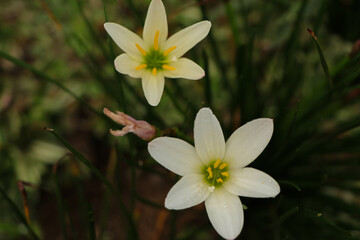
(154, 59)
(215, 174)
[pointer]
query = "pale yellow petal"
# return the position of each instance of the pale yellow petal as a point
(153, 86)
(185, 68)
(155, 21)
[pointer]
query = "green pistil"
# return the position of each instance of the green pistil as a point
(216, 174)
(155, 59)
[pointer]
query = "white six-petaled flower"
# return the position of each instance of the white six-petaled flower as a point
(215, 171)
(155, 56)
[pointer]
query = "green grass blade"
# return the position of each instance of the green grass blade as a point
(148, 202)
(207, 82)
(18, 213)
(48, 79)
(60, 205)
(175, 101)
(91, 30)
(233, 21)
(216, 52)
(287, 215)
(102, 178)
(289, 183)
(324, 65)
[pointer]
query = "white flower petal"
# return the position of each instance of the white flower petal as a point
(185, 68)
(125, 39)
(189, 191)
(225, 213)
(208, 136)
(250, 182)
(153, 86)
(175, 154)
(247, 142)
(155, 21)
(126, 65)
(187, 38)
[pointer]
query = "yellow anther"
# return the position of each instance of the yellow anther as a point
(225, 174)
(169, 50)
(216, 164)
(222, 166)
(210, 172)
(167, 67)
(156, 40)
(141, 66)
(154, 71)
(219, 180)
(143, 52)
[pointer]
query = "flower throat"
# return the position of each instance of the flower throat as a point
(154, 59)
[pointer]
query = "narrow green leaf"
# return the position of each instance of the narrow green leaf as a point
(207, 82)
(287, 215)
(60, 205)
(90, 29)
(175, 101)
(321, 218)
(322, 58)
(102, 178)
(215, 50)
(48, 79)
(289, 183)
(233, 21)
(148, 202)
(18, 213)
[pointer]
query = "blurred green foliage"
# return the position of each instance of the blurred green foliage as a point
(56, 71)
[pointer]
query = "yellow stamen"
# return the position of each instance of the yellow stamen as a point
(143, 52)
(219, 180)
(225, 174)
(156, 40)
(222, 166)
(210, 172)
(216, 164)
(167, 67)
(154, 71)
(169, 50)
(141, 66)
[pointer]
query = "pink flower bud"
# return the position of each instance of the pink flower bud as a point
(140, 128)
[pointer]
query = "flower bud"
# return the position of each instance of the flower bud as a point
(140, 128)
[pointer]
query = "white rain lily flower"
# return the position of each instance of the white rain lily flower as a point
(155, 56)
(215, 171)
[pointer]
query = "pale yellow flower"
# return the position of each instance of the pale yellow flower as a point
(155, 56)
